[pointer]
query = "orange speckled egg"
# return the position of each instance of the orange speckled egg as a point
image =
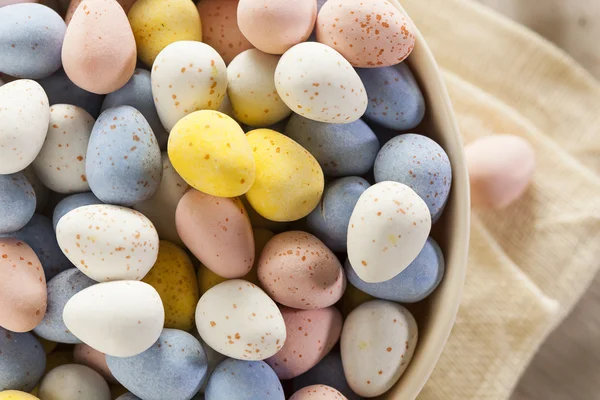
(99, 53)
(297, 270)
(220, 28)
(311, 334)
(22, 287)
(368, 34)
(73, 4)
(323, 392)
(85, 355)
(217, 231)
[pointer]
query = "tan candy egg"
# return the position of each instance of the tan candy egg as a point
(322, 392)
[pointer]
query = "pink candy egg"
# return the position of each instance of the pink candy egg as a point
(73, 4)
(320, 392)
(85, 355)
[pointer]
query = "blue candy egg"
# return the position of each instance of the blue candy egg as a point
(340, 149)
(329, 221)
(395, 100)
(243, 380)
(123, 162)
(413, 284)
(39, 235)
(61, 90)
(137, 93)
(60, 289)
(72, 202)
(17, 202)
(420, 163)
(173, 368)
(22, 361)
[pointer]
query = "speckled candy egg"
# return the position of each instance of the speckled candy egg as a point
(31, 37)
(311, 334)
(85, 355)
(61, 90)
(73, 4)
(187, 76)
(173, 368)
(369, 34)
(23, 360)
(16, 395)
(174, 279)
(421, 164)
(72, 202)
(238, 319)
(243, 380)
(378, 341)
(297, 270)
(340, 149)
(74, 382)
(17, 202)
(24, 113)
(123, 161)
(98, 52)
(60, 165)
(121, 318)
(108, 242)
(331, 93)
(158, 23)
(212, 154)
(289, 181)
(321, 391)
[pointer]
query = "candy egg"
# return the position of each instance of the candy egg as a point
(378, 342)
(311, 334)
(158, 23)
(99, 65)
(73, 4)
(238, 319)
(31, 37)
(289, 181)
(24, 113)
(368, 34)
(243, 380)
(73, 382)
(340, 149)
(23, 361)
(297, 270)
(186, 77)
(173, 368)
(322, 391)
(72, 202)
(85, 355)
(331, 93)
(273, 26)
(388, 228)
(123, 162)
(121, 318)
(42, 193)
(17, 202)
(60, 164)
(16, 395)
(60, 289)
(61, 90)
(212, 154)
(421, 164)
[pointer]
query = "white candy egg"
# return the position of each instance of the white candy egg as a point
(388, 228)
(74, 382)
(238, 319)
(316, 82)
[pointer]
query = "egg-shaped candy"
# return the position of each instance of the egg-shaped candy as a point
(72, 202)
(85, 355)
(368, 34)
(297, 270)
(137, 93)
(123, 161)
(108, 242)
(238, 319)
(98, 52)
(172, 368)
(42, 193)
(73, 4)
(340, 149)
(61, 90)
(212, 154)
(74, 382)
(388, 228)
(121, 318)
(243, 380)
(16, 395)
(31, 37)
(378, 341)
(187, 76)
(24, 113)
(158, 23)
(22, 362)
(311, 334)
(321, 391)
(17, 202)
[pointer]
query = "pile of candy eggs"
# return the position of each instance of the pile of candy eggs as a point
(216, 201)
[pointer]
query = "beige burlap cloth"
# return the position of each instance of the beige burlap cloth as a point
(528, 264)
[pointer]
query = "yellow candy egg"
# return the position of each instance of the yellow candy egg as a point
(351, 299)
(289, 181)
(211, 153)
(158, 23)
(16, 395)
(173, 278)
